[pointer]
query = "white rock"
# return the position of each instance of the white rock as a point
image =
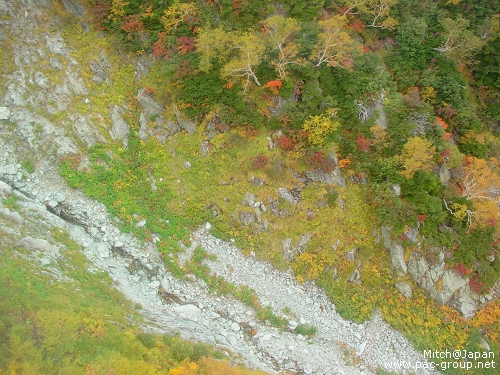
(119, 244)
(188, 310)
(101, 249)
(361, 348)
(235, 326)
(4, 113)
(154, 284)
(59, 197)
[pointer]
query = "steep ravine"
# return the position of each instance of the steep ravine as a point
(39, 121)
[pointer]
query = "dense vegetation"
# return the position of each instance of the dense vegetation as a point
(401, 95)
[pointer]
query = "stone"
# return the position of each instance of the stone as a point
(187, 164)
(120, 130)
(55, 44)
(59, 197)
(286, 195)
(354, 277)
(484, 344)
(404, 289)
(152, 109)
(187, 125)
(250, 198)
(44, 261)
(412, 234)
(119, 244)
(5, 188)
(452, 281)
(100, 67)
(8, 169)
(204, 148)
(188, 309)
(350, 255)
(235, 326)
(444, 174)
(41, 80)
(87, 133)
(333, 178)
(165, 283)
(396, 189)
(38, 244)
(4, 113)
(55, 63)
(74, 7)
(246, 218)
(52, 204)
(292, 324)
(102, 249)
(386, 236)
(143, 66)
(302, 244)
(466, 304)
(288, 250)
(76, 83)
(154, 284)
(361, 348)
(11, 215)
(398, 258)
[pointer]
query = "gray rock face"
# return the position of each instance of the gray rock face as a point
(286, 195)
(290, 251)
(333, 178)
(86, 132)
(404, 289)
(55, 44)
(76, 83)
(398, 258)
(152, 110)
(187, 125)
(250, 198)
(38, 244)
(444, 174)
(247, 218)
(74, 7)
(120, 130)
(100, 68)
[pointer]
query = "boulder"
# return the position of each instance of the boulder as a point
(188, 310)
(247, 218)
(38, 244)
(100, 68)
(76, 83)
(452, 281)
(152, 110)
(101, 249)
(398, 258)
(250, 198)
(120, 130)
(404, 289)
(286, 195)
(287, 249)
(55, 44)
(187, 125)
(86, 132)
